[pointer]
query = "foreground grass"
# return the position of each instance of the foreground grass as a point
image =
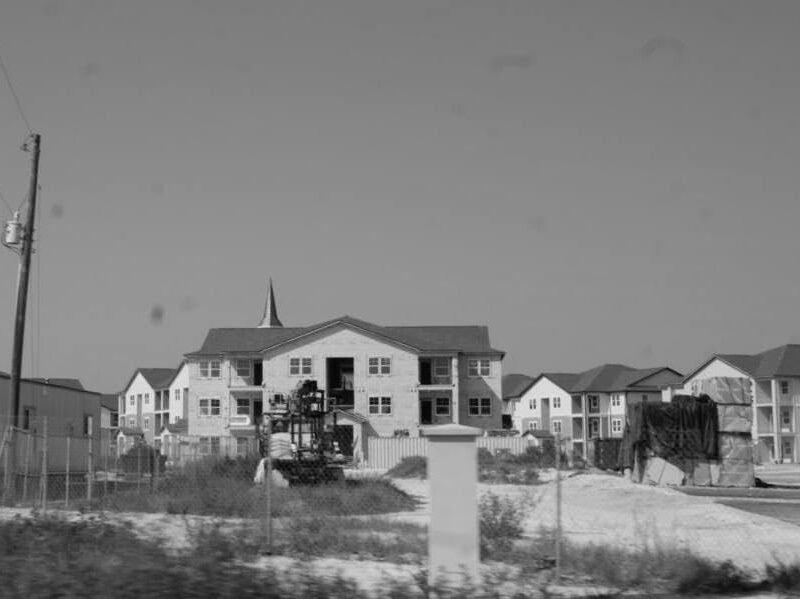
(225, 488)
(47, 556)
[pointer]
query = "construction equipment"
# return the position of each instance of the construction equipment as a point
(297, 433)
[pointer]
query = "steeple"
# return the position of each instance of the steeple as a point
(270, 318)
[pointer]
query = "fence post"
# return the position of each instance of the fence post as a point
(558, 506)
(106, 445)
(90, 470)
(268, 481)
(26, 469)
(5, 449)
(66, 480)
(453, 532)
(44, 465)
(138, 468)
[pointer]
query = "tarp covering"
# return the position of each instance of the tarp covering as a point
(735, 418)
(727, 390)
(686, 428)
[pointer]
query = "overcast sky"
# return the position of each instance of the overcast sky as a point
(596, 181)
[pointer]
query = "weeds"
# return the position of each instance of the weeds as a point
(500, 520)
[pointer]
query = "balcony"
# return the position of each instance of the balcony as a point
(435, 372)
(240, 420)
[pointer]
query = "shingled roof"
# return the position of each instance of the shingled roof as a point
(514, 385)
(606, 378)
(776, 362)
(464, 339)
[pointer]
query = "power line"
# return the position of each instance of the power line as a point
(14, 93)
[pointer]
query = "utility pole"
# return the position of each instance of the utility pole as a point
(31, 145)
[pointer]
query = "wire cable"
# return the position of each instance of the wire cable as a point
(14, 93)
(10, 209)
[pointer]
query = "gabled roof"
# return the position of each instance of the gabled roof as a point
(69, 383)
(605, 378)
(176, 428)
(157, 378)
(464, 339)
(776, 362)
(514, 385)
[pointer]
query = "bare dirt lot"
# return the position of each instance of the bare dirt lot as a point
(606, 509)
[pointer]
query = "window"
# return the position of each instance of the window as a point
(209, 369)
(114, 420)
(478, 368)
(556, 402)
(442, 406)
(380, 366)
(242, 407)
(441, 367)
(132, 401)
(557, 426)
(147, 423)
(214, 445)
(784, 387)
(532, 404)
(616, 401)
(644, 397)
(147, 399)
(533, 425)
(480, 406)
(243, 368)
(380, 405)
(132, 421)
(594, 403)
(616, 425)
(209, 407)
(299, 366)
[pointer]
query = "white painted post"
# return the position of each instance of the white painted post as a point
(453, 533)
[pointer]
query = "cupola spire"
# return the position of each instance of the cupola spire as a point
(270, 318)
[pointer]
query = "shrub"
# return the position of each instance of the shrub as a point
(500, 521)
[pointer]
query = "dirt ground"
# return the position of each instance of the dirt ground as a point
(602, 508)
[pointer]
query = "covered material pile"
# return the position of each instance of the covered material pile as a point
(695, 440)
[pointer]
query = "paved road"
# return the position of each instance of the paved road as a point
(781, 502)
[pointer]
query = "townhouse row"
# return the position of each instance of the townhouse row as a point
(384, 380)
(592, 404)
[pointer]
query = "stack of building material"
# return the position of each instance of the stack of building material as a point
(735, 414)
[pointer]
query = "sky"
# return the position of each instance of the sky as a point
(597, 181)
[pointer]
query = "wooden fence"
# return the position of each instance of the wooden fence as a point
(386, 452)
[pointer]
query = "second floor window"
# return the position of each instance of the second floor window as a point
(556, 426)
(556, 402)
(209, 407)
(299, 366)
(242, 407)
(209, 369)
(532, 404)
(441, 367)
(147, 423)
(616, 425)
(132, 401)
(594, 403)
(243, 368)
(478, 367)
(380, 366)
(616, 401)
(784, 387)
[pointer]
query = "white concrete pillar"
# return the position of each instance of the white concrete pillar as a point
(453, 533)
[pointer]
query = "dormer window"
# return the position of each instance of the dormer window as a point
(478, 367)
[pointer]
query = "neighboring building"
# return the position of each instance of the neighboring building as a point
(69, 410)
(109, 423)
(385, 380)
(584, 406)
(514, 385)
(138, 407)
(774, 377)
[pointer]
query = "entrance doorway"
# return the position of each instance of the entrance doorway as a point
(426, 410)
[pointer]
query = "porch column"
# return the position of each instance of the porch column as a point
(454, 400)
(453, 532)
(776, 424)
